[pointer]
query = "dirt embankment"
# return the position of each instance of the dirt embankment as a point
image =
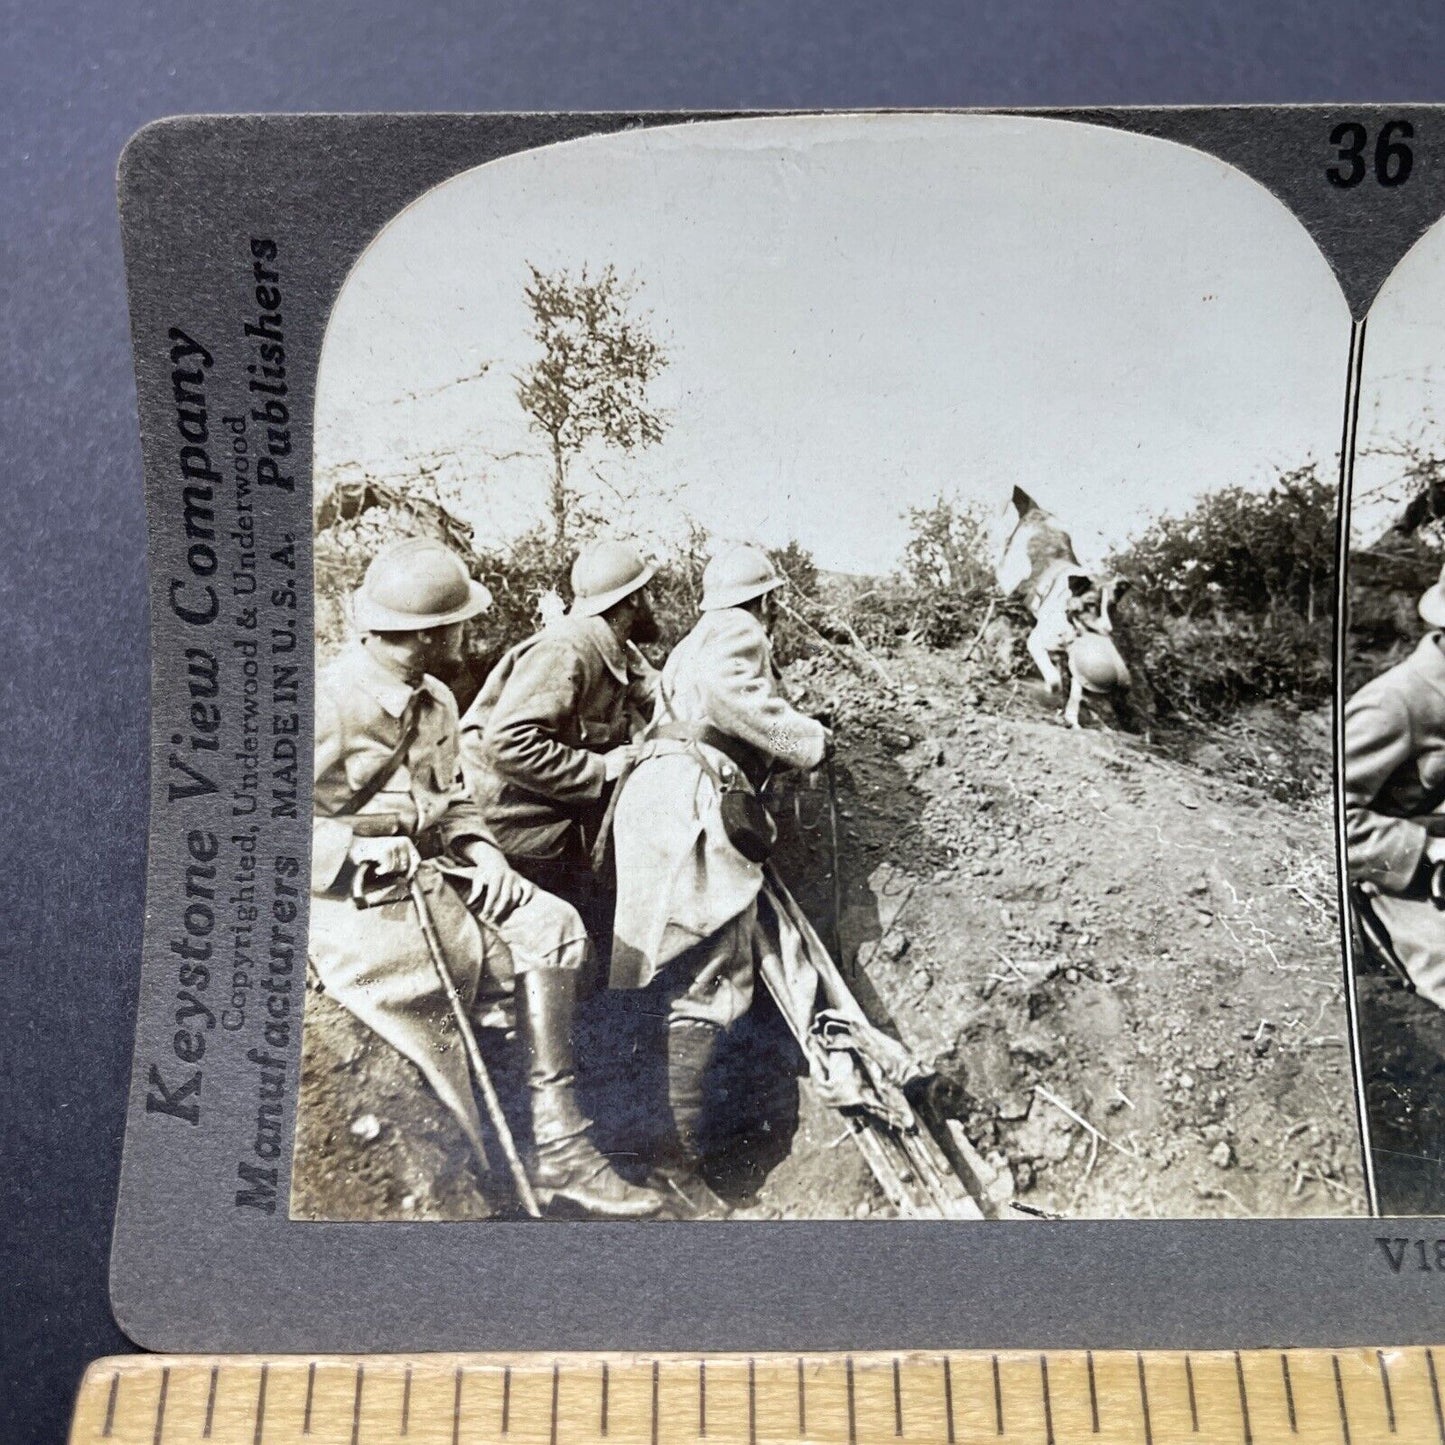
(1133, 959)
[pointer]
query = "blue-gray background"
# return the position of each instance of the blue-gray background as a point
(75, 81)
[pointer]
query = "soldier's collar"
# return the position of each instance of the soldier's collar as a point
(391, 691)
(608, 647)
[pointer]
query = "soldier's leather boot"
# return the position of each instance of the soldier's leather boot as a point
(678, 1168)
(569, 1167)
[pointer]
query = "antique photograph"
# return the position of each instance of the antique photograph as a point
(825, 689)
(1394, 732)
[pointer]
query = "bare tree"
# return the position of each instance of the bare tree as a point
(590, 382)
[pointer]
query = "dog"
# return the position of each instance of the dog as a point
(1034, 561)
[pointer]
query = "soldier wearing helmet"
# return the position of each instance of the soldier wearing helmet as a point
(390, 806)
(691, 836)
(1394, 805)
(551, 730)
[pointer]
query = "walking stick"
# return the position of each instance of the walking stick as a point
(837, 862)
(474, 1052)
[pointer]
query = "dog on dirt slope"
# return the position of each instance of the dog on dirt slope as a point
(1034, 561)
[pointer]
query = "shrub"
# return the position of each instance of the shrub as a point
(1385, 584)
(1238, 552)
(1211, 667)
(938, 598)
(947, 572)
(1233, 601)
(518, 575)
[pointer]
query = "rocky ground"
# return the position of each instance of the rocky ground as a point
(1128, 948)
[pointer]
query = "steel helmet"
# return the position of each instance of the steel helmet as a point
(415, 584)
(737, 576)
(604, 574)
(1095, 661)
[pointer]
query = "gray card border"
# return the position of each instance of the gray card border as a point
(191, 1272)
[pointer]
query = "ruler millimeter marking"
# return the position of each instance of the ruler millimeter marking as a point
(1053, 1397)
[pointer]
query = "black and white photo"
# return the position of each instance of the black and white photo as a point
(1394, 733)
(824, 642)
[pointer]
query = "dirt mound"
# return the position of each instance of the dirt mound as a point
(1130, 950)
(1134, 958)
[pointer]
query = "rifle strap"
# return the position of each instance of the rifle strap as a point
(411, 723)
(598, 855)
(753, 765)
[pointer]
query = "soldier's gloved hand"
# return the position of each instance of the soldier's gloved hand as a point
(617, 762)
(497, 888)
(385, 857)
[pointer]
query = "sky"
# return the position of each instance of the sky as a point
(861, 314)
(1402, 383)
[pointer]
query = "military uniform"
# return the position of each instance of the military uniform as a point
(1395, 772)
(387, 768)
(686, 897)
(532, 741)
(688, 927)
(373, 960)
(532, 747)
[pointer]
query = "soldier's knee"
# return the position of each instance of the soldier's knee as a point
(546, 932)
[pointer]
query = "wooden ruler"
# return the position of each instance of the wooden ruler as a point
(1253, 1397)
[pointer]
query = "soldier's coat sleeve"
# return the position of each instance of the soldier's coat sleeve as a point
(523, 737)
(1383, 850)
(330, 837)
(743, 698)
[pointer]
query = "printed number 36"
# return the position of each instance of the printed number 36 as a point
(1393, 158)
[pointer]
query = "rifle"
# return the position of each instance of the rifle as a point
(923, 1177)
(837, 889)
